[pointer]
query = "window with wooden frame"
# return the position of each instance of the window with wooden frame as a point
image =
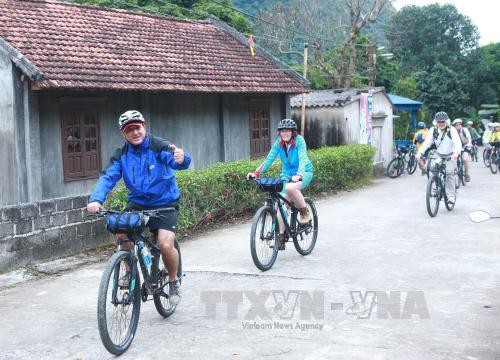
(260, 135)
(80, 144)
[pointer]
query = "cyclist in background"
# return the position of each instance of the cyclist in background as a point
(466, 139)
(473, 132)
(418, 140)
(447, 143)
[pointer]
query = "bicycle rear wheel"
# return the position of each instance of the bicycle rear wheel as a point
(117, 315)
(160, 296)
(264, 237)
(305, 241)
(395, 167)
(462, 171)
(433, 196)
(493, 163)
(486, 157)
(412, 165)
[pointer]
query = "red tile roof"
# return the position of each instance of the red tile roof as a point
(84, 47)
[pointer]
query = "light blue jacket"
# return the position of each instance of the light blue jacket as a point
(295, 160)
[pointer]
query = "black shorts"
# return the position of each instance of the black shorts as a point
(166, 220)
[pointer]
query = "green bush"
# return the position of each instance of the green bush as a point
(220, 191)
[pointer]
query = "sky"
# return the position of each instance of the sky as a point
(483, 13)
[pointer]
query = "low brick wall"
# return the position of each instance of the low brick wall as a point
(47, 230)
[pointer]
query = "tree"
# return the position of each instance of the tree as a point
(188, 9)
(440, 89)
(423, 36)
(333, 30)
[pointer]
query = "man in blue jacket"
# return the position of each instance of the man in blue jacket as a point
(147, 165)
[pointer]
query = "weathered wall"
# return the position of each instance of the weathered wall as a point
(324, 126)
(381, 105)
(340, 126)
(212, 127)
(8, 149)
(47, 230)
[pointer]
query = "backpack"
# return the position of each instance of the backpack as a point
(435, 134)
(420, 138)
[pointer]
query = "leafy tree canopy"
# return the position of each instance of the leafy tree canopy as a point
(423, 36)
(188, 9)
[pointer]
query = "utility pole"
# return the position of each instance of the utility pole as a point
(303, 110)
(372, 64)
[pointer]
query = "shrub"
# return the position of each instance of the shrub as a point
(220, 191)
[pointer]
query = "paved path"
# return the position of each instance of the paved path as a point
(372, 241)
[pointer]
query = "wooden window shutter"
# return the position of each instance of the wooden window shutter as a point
(260, 132)
(80, 144)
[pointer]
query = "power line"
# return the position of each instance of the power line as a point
(306, 35)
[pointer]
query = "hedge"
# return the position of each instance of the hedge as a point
(220, 191)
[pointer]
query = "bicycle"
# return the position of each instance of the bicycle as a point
(474, 151)
(436, 188)
(494, 158)
(460, 171)
(119, 303)
(397, 165)
(486, 156)
(264, 233)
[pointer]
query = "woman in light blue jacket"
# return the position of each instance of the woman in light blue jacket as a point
(297, 168)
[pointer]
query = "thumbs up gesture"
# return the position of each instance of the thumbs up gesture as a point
(178, 154)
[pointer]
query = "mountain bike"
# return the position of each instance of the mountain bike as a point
(460, 171)
(474, 151)
(436, 188)
(406, 156)
(486, 156)
(120, 290)
(264, 234)
(494, 159)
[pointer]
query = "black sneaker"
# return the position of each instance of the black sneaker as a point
(174, 292)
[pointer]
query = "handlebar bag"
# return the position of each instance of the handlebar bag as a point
(125, 223)
(270, 184)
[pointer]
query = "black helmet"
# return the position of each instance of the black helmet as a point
(130, 116)
(287, 124)
(441, 116)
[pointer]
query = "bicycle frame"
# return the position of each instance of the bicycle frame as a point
(280, 201)
(439, 171)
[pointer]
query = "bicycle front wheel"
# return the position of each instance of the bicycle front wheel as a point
(264, 237)
(486, 157)
(493, 163)
(305, 241)
(433, 196)
(160, 297)
(117, 312)
(394, 169)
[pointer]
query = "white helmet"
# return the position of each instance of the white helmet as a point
(130, 116)
(457, 121)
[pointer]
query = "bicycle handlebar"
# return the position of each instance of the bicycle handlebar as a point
(151, 213)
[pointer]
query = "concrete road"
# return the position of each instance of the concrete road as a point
(385, 281)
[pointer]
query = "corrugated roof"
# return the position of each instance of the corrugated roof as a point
(86, 47)
(332, 98)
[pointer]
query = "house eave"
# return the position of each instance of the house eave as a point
(26, 66)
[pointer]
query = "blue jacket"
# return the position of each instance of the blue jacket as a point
(147, 170)
(295, 160)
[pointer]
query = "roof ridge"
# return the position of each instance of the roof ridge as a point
(116, 10)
